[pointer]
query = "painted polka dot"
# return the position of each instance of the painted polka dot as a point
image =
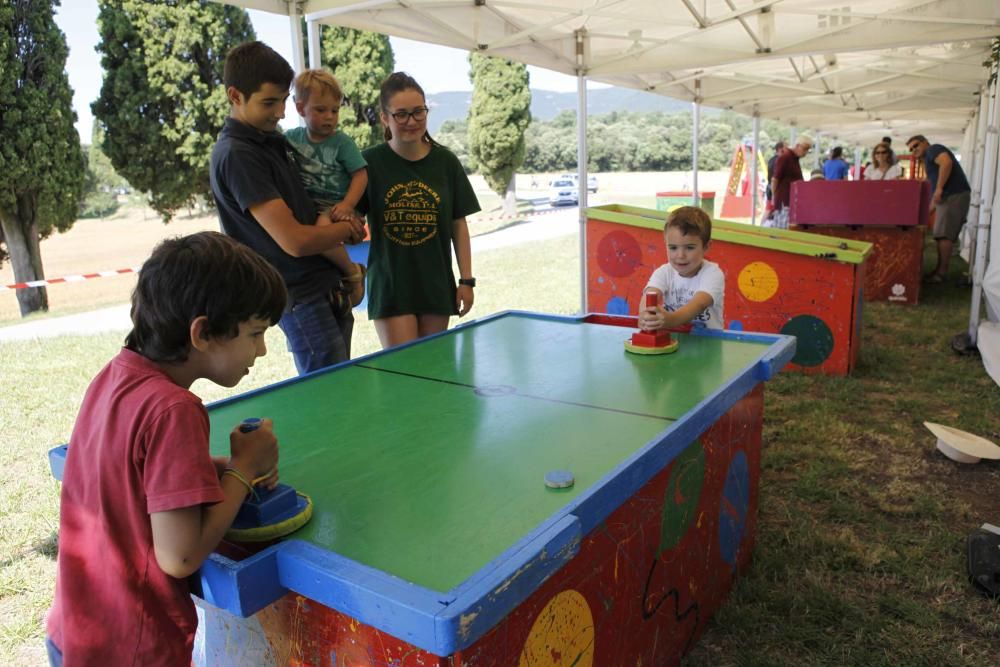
(758, 281)
(563, 634)
(680, 502)
(814, 339)
(616, 306)
(619, 254)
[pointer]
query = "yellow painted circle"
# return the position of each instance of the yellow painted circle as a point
(758, 281)
(563, 634)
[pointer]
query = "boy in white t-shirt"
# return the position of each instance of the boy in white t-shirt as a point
(691, 287)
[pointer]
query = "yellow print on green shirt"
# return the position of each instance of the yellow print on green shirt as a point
(411, 213)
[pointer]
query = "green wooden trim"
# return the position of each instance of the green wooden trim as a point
(785, 240)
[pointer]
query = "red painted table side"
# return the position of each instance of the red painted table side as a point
(647, 608)
(807, 286)
(894, 268)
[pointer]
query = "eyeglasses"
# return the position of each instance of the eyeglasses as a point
(913, 147)
(419, 114)
(881, 152)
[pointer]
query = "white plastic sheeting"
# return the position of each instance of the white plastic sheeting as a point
(988, 333)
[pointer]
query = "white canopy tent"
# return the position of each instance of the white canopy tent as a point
(856, 71)
(878, 66)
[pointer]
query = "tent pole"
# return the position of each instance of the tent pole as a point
(857, 162)
(755, 159)
(975, 173)
(295, 26)
(985, 211)
(315, 50)
(695, 131)
(581, 160)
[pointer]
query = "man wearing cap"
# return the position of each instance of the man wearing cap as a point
(786, 172)
(950, 198)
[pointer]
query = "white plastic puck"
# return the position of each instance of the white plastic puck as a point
(559, 479)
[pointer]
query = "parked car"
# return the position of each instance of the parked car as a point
(564, 191)
(591, 180)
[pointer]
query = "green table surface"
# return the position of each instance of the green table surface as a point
(428, 462)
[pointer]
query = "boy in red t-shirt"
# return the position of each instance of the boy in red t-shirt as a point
(143, 503)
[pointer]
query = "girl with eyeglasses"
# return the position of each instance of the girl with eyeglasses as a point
(417, 198)
(884, 166)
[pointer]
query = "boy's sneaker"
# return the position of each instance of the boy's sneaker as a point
(354, 285)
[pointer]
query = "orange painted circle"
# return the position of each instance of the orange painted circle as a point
(563, 634)
(758, 281)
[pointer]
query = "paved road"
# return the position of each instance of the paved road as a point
(550, 224)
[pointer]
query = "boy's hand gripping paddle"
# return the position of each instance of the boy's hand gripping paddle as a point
(269, 514)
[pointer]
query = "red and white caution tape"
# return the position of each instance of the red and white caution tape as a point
(134, 269)
(69, 279)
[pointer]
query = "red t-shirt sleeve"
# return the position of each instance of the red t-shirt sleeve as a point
(178, 470)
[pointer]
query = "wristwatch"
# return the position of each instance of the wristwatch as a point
(468, 282)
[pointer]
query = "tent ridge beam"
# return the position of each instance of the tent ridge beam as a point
(699, 19)
(761, 48)
(893, 16)
(541, 45)
(522, 36)
(360, 6)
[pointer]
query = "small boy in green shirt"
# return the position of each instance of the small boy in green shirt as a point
(333, 171)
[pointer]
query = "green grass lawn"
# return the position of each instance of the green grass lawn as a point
(860, 549)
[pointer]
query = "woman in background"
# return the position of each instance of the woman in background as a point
(884, 166)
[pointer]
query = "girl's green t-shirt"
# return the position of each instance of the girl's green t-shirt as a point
(412, 207)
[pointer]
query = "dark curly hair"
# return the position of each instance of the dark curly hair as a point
(206, 274)
(252, 64)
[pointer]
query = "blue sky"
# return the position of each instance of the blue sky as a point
(437, 68)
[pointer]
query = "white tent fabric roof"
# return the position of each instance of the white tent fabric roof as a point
(858, 70)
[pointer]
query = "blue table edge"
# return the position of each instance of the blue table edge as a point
(443, 623)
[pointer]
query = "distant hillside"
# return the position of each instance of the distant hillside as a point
(545, 104)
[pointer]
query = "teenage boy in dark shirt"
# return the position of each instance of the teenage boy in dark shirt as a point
(262, 203)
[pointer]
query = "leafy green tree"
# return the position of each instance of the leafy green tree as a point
(713, 152)
(102, 183)
(41, 164)
(361, 61)
(162, 103)
(498, 117)
(627, 141)
(454, 135)
(99, 201)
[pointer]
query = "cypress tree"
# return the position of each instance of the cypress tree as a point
(498, 118)
(162, 103)
(360, 60)
(41, 162)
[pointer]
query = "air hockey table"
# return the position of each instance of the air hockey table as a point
(434, 538)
